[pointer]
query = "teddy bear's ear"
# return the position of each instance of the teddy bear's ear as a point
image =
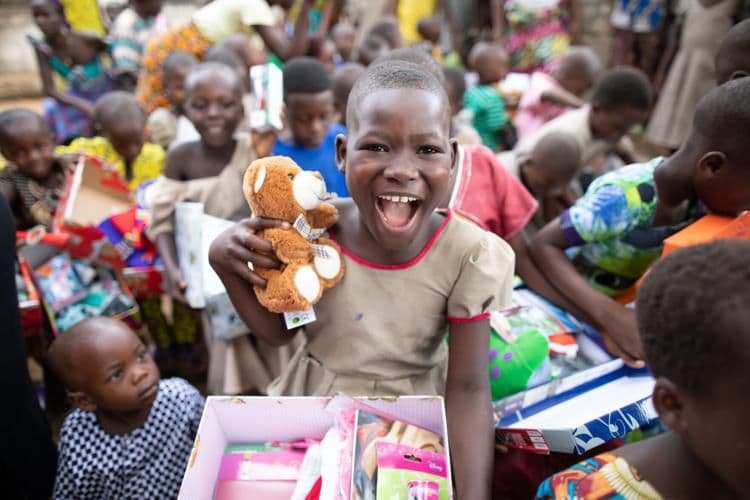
(260, 178)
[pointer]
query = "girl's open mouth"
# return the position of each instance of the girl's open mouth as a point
(397, 210)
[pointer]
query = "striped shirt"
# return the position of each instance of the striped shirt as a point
(489, 113)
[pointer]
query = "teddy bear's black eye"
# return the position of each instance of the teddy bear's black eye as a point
(291, 177)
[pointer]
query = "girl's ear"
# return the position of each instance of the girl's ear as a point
(81, 400)
(669, 402)
(341, 153)
(454, 156)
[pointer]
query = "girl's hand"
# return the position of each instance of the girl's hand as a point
(620, 333)
(238, 246)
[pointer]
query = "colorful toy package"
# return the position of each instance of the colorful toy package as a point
(406, 473)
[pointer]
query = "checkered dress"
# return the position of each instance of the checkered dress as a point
(146, 463)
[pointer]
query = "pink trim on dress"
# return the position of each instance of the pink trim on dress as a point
(412, 262)
(478, 317)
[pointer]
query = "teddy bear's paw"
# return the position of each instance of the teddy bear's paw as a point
(327, 261)
(307, 283)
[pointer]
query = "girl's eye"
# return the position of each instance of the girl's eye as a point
(376, 148)
(428, 150)
(115, 376)
(142, 357)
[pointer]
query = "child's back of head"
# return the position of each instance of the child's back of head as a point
(579, 69)
(177, 66)
(455, 87)
(490, 61)
(121, 120)
(552, 164)
(621, 99)
(389, 30)
(733, 56)
(225, 54)
(343, 81)
(308, 95)
(692, 317)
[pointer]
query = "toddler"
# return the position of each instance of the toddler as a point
(130, 434)
(700, 391)
(603, 244)
(311, 136)
(33, 182)
(490, 61)
(343, 81)
(169, 125)
(343, 35)
(399, 252)
(621, 99)
(131, 31)
(122, 142)
(549, 95)
(461, 121)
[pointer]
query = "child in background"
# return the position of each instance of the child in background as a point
(461, 121)
(546, 172)
(371, 48)
(209, 171)
(343, 81)
(213, 23)
(132, 30)
(367, 339)
(733, 55)
(343, 36)
(701, 386)
(622, 98)
(130, 434)
(169, 125)
(701, 26)
(490, 61)
(619, 226)
(549, 95)
(122, 143)
(388, 29)
(311, 138)
(76, 59)
(324, 50)
(33, 182)
(429, 29)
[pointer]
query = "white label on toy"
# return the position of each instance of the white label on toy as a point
(297, 319)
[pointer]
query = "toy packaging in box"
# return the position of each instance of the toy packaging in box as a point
(29, 304)
(537, 351)
(582, 419)
(306, 447)
(73, 290)
(266, 80)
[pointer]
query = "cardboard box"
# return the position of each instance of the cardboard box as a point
(267, 83)
(228, 420)
(709, 228)
(144, 282)
(94, 192)
(580, 420)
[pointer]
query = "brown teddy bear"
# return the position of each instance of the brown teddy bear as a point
(276, 188)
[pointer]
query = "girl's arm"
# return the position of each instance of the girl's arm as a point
(48, 85)
(331, 11)
(229, 256)
(470, 421)
(277, 41)
(562, 97)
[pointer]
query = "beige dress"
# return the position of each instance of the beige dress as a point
(691, 75)
(244, 363)
(381, 330)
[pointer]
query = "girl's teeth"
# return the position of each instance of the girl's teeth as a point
(398, 199)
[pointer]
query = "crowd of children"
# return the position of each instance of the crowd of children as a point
(457, 158)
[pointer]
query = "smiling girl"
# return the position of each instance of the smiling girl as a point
(413, 273)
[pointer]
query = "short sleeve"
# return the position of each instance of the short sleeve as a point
(516, 205)
(485, 281)
(601, 214)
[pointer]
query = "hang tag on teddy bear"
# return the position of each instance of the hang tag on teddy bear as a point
(297, 319)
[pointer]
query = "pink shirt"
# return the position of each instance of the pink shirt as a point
(488, 194)
(533, 112)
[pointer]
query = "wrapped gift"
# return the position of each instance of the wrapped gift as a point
(92, 194)
(144, 281)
